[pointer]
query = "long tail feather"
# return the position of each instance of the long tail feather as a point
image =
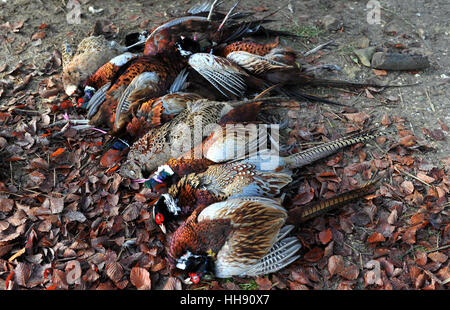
(313, 154)
(301, 214)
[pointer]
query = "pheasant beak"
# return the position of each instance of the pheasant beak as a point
(163, 228)
(70, 89)
(159, 219)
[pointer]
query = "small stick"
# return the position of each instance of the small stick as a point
(401, 97)
(438, 249)
(11, 172)
(29, 190)
(412, 176)
(429, 101)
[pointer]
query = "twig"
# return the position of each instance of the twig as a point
(11, 172)
(29, 190)
(438, 249)
(429, 101)
(401, 97)
(9, 193)
(412, 176)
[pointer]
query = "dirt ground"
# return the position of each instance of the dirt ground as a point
(420, 27)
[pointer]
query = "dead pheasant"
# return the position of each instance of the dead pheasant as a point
(244, 236)
(92, 53)
(183, 132)
(102, 78)
(158, 111)
(142, 78)
(204, 23)
(263, 174)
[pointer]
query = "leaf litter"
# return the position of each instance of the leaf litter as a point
(67, 221)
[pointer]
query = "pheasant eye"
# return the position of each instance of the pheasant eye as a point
(80, 102)
(159, 218)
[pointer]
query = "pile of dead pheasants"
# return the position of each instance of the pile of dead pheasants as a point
(191, 101)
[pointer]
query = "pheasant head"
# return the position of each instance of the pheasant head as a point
(164, 210)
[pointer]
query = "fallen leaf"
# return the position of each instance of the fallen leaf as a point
(38, 35)
(6, 204)
(140, 278)
(36, 178)
(173, 283)
(376, 237)
(56, 205)
(58, 152)
(313, 255)
(408, 187)
(373, 276)
(73, 272)
(110, 158)
(264, 283)
(350, 273)
(22, 273)
(114, 271)
(438, 257)
(358, 117)
(335, 264)
(379, 72)
(325, 236)
(421, 258)
(260, 8)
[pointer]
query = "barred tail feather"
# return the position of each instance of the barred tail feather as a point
(97, 99)
(313, 154)
(281, 255)
(304, 213)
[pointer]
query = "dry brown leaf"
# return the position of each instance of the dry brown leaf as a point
(379, 72)
(264, 283)
(140, 278)
(114, 271)
(438, 257)
(22, 273)
(325, 236)
(172, 283)
(38, 35)
(358, 117)
(408, 187)
(376, 237)
(335, 264)
(313, 255)
(373, 276)
(6, 204)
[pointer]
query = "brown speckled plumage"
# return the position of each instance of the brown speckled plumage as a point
(158, 111)
(166, 70)
(91, 53)
(239, 233)
(180, 135)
